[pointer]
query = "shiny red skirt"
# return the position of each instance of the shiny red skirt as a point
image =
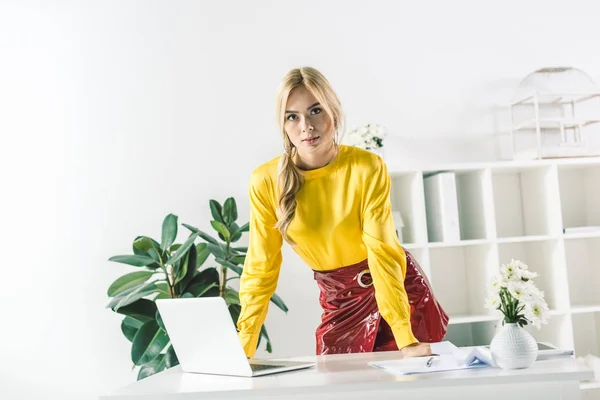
(351, 322)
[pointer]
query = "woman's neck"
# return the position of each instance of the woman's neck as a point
(316, 160)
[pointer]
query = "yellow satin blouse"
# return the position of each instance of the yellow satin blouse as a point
(343, 217)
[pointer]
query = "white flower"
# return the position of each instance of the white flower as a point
(369, 136)
(513, 285)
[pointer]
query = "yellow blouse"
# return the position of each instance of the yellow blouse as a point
(343, 217)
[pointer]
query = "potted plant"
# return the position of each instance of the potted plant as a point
(171, 270)
(515, 295)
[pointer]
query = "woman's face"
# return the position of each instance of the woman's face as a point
(307, 124)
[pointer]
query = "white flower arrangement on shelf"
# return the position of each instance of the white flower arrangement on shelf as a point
(516, 296)
(368, 137)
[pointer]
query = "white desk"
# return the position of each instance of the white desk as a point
(347, 377)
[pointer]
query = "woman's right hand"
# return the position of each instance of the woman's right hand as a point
(417, 350)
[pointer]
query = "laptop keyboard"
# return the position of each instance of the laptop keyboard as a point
(262, 367)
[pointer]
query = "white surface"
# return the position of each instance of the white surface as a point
(115, 113)
(349, 373)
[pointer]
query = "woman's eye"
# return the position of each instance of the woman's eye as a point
(292, 117)
(316, 110)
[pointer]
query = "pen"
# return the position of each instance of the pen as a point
(429, 362)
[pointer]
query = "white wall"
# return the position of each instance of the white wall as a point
(115, 113)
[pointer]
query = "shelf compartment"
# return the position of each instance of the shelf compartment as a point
(547, 258)
(579, 187)
(525, 202)
(459, 276)
(472, 334)
(408, 199)
(583, 271)
(586, 334)
(461, 203)
(557, 332)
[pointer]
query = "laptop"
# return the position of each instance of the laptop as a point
(205, 339)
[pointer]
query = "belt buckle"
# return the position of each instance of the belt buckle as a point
(359, 279)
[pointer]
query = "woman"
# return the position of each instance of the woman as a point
(330, 202)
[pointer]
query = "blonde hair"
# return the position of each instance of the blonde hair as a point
(290, 178)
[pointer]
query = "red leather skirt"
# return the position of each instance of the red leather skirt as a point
(351, 322)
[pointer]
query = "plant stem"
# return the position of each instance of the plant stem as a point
(223, 283)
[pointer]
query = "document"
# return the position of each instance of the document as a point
(447, 357)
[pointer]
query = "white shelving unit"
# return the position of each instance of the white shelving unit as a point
(542, 212)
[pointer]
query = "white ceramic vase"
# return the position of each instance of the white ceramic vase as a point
(513, 347)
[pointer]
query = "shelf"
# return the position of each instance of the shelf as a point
(553, 124)
(459, 276)
(585, 309)
(554, 98)
(524, 201)
(583, 235)
(579, 188)
(518, 239)
(469, 319)
(586, 334)
(460, 243)
(583, 272)
(547, 259)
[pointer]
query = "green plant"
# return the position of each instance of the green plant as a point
(170, 270)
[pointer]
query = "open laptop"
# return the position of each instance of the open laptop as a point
(205, 340)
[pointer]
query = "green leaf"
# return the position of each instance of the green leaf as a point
(239, 259)
(129, 327)
(181, 267)
(245, 227)
(153, 367)
(169, 231)
(143, 243)
(185, 274)
(278, 302)
(203, 235)
(143, 310)
(221, 228)
(229, 265)
(135, 260)
(216, 250)
(232, 296)
(174, 247)
(237, 235)
(203, 282)
(147, 344)
(229, 211)
(263, 333)
(183, 249)
(171, 358)
(240, 249)
(202, 253)
(131, 295)
(159, 321)
(163, 288)
(216, 211)
(234, 311)
(128, 281)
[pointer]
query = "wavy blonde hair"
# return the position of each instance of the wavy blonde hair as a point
(291, 179)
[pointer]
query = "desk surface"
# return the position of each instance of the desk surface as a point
(347, 372)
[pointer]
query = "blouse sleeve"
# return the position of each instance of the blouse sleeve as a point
(386, 257)
(263, 262)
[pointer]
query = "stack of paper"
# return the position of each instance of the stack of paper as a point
(448, 358)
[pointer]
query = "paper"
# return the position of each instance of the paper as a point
(448, 358)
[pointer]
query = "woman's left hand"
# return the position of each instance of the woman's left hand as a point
(417, 350)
